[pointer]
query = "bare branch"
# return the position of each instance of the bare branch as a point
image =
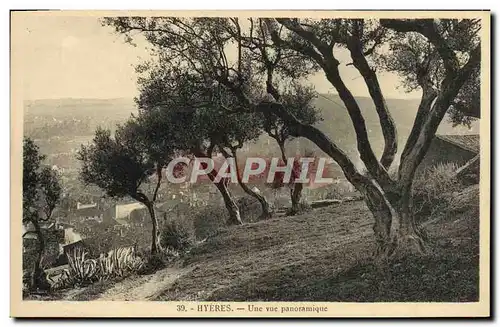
(159, 176)
(385, 118)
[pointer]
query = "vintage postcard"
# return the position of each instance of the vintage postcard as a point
(250, 164)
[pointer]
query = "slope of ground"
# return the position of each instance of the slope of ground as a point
(136, 288)
(325, 255)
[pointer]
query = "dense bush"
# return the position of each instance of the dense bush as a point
(104, 240)
(435, 189)
(155, 262)
(177, 235)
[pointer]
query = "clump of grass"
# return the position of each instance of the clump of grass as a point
(208, 220)
(337, 190)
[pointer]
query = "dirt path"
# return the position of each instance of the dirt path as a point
(144, 288)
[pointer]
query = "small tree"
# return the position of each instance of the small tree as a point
(238, 130)
(272, 64)
(197, 111)
(41, 194)
(299, 101)
(122, 165)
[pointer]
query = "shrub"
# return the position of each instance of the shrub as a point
(119, 262)
(152, 263)
(103, 241)
(177, 235)
(281, 197)
(433, 190)
(81, 271)
(207, 221)
(337, 190)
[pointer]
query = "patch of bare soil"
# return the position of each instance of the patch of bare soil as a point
(143, 288)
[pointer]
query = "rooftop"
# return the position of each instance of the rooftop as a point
(467, 142)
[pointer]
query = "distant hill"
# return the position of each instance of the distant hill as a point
(60, 126)
(66, 123)
(338, 126)
(119, 108)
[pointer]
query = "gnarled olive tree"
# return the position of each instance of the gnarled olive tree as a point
(215, 48)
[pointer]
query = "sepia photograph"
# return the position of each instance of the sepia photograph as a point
(250, 164)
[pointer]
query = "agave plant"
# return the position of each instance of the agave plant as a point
(119, 262)
(82, 271)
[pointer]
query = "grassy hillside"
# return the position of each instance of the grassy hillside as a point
(326, 256)
(322, 255)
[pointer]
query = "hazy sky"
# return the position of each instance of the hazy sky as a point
(76, 57)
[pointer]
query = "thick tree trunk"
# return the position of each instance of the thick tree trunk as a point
(296, 194)
(296, 188)
(428, 96)
(387, 124)
(155, 232)
(266, 210)
(380, 209)
(374, 167)
(232, 208)
(410, 238)
(38, 279)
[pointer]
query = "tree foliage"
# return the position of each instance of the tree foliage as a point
(201, 113)
(41, 185)
(124, 164)
(118, 165)
(41, 194)
(32, 160)
(439, 56)
(417, 61)
(298, 99)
